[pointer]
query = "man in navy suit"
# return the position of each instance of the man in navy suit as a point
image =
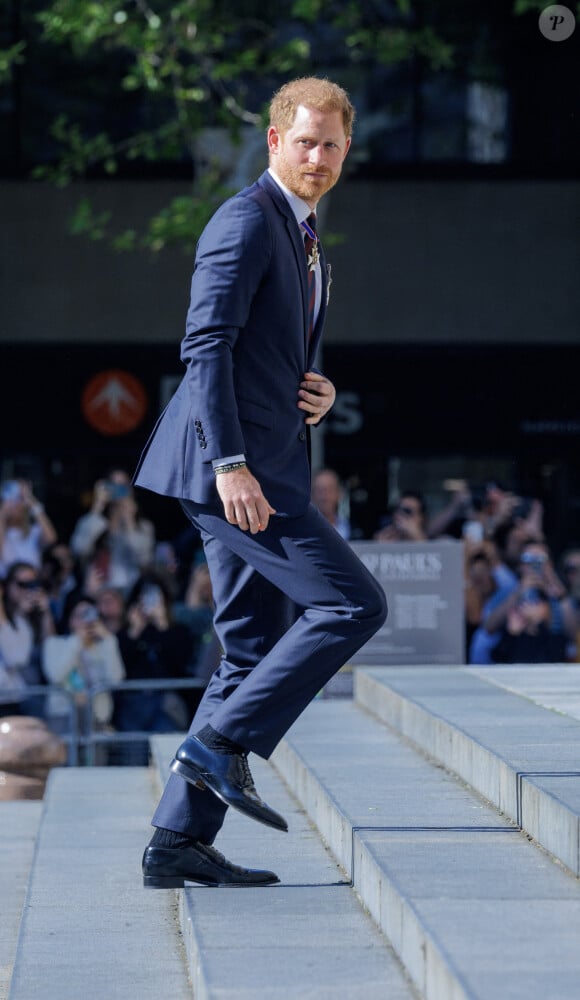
(233, 446)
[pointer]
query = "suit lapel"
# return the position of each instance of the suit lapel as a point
(297, 245)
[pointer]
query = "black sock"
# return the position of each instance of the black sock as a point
(215, 741)
(168, 838)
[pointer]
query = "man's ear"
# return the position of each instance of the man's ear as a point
(273, 140)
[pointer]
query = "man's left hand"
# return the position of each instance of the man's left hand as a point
(316, 396)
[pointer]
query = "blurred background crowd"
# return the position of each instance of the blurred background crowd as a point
(452, 333)
(118, 601)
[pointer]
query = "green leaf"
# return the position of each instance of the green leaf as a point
(524, 6)
(307, 10)
(13, 56)
(126, 240)
(87, 223)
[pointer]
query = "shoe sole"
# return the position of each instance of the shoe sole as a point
(198, 779)
(175, 882)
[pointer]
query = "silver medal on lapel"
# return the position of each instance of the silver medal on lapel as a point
(313, 258)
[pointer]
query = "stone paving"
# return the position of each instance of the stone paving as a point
(433, 852)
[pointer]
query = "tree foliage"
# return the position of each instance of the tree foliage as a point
(179, 67)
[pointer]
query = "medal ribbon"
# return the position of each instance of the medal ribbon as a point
(311, 248)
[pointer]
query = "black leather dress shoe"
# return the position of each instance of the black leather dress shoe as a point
(228, 776)
(172, 867)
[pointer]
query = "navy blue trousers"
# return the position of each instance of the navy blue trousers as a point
(292, 605)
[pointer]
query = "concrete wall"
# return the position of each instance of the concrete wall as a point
(60, 288)
(494, 262)
(478, 262)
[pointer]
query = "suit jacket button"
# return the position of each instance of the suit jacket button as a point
(302, 436)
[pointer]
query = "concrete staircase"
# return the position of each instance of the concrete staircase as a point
(86, 929)
(18, 828)
(433, 852)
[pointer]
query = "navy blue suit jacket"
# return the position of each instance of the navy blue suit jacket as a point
(246, 351)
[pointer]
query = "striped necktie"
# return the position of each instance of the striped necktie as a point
(310, 242)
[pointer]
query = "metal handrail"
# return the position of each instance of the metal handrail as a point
(75, 739)
(153, 684)
(95, 737)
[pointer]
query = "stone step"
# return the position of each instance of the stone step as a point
(552, 687)
(521, 756)
(307, 938)
(89, 930)
(472, 907)
(19, 823)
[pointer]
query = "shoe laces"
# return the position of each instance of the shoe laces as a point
(218, 858)
(247, 780)
(215, 854)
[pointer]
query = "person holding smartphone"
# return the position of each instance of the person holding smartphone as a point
(25, 622)
(25, 528)
(153, 646)
(535, 575)
(112, 540)
(407, 520)
(86, 659)
(528, 635)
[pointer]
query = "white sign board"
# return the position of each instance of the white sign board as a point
(423, 582)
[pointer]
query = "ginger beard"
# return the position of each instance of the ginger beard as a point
(309, 183)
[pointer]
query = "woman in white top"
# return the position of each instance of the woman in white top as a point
(25, 529)
(82, 663)
(25, 621)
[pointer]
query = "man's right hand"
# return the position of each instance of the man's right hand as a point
(243, 500)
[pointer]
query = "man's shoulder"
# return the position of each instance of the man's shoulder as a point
(265, 193)
(247, 211)
(248, 203)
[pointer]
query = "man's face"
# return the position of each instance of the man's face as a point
(308, 157)
(326, 492)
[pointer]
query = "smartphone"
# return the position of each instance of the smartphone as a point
(11, 490)
(89, 615)
(473, 531)
(118, 491)
(151, 598)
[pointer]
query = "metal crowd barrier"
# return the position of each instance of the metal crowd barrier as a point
(95, 737)
(87, 738)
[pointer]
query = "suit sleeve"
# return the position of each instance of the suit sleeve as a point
(231, 261)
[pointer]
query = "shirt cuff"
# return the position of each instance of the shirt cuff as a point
(227, 461)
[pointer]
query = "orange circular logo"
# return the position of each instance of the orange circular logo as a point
(114, 402)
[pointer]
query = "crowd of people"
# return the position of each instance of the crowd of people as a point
(114, 603)
(82, 616)
(520, 604)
